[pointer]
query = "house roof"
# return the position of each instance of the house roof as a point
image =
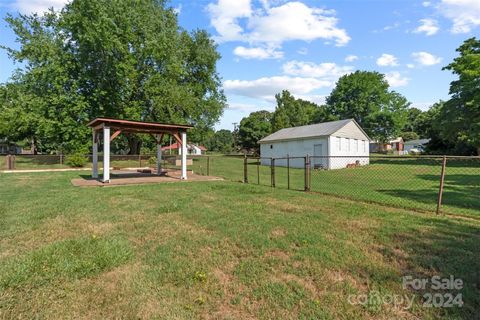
(310, 131)
(417, 142)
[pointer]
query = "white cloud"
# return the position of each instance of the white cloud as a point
(387, 60)
(425, 58)
(427, 26)
(465, 14)
(246, 107)
(351, 58)
(315, 98)
(266, 88)
(272, 25)
(257, 53)
(426, 4)
(225, 15)
(326, 71)
(37, 6)
(395, 79)
(410, 66)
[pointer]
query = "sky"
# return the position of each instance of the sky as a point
(305, 46)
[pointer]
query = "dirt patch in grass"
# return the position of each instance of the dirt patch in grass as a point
(278, 233)
(278, 254)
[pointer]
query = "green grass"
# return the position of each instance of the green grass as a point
(217, 250)
(402, 182)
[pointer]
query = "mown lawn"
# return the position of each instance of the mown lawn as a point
(401, 182)
(220, 250)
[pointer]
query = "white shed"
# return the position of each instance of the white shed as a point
(333, 145)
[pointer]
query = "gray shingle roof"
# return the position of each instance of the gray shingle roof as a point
(313, 130)
(417, 142)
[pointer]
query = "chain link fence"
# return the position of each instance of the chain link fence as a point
(428, 183)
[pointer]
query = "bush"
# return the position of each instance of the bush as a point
(152, 160)
(76, 160)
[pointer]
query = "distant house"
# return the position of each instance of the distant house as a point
(192, 149)
(397, 146)
(333, 145)
(418, 145)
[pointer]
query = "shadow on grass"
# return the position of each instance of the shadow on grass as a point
(446, 248)
(461, 191)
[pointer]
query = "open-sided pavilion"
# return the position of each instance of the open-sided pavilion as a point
(157, 130)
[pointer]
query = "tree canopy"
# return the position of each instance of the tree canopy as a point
(365, 97)
(292, 112)
(253, 128)
(460, 116)
(114, 58)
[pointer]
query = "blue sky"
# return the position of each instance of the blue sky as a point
(305, 46)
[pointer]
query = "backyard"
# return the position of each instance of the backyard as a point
(218, 250)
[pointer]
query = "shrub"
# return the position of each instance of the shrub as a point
(152, 160)
(76, 160)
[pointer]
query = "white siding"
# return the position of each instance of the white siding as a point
(348, 141)
(351, 130)
(292, 148)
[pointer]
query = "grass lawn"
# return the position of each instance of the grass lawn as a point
(218, 250)
(407, 182)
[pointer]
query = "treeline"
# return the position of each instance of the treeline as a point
(452, 126)
(107, 58)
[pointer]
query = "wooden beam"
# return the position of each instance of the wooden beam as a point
(115, 135)
(177, 137)
(154, 136)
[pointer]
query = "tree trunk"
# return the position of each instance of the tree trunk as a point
(478, 150)
(134, 144)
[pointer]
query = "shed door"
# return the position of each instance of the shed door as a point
(318, 152)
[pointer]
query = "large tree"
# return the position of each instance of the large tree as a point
(365, 97)
(292, 112)
(460, 117)
(253, 128)
(114, 58)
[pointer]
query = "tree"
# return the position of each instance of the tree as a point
(253, 128)
(292, 112)
(460, 117)
(365, 97)
(114, 58)
(221, 141)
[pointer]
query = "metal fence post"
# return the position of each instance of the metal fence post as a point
(273, 172)
(307, 173)
(140, 160)
(245, 170)
(442, 181)
(208, 165)
(61, 158)
(288, 172)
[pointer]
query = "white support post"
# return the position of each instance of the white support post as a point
(159, 154)
(184, 155)
(106, 154)
(95, 155)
